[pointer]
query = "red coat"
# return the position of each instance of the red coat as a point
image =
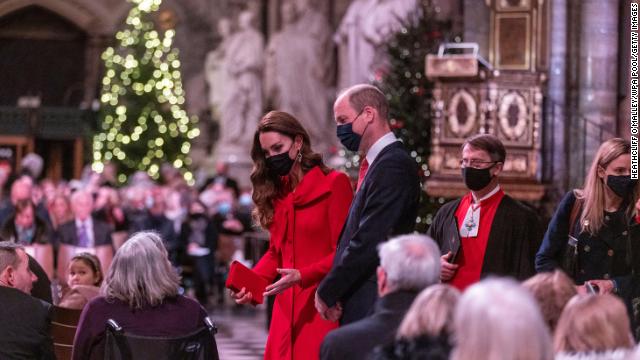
(304, 234)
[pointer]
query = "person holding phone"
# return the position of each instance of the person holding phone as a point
(486, 232)
(304, 204)
(597, 224)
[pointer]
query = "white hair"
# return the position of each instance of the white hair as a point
(79, 195)
(140, 273)
(411, 262)
(498, 319)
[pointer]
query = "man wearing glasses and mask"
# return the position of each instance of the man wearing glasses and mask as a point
(486, 232)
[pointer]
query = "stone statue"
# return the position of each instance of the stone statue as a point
(242, 104)
(215, 70)
(363, 32)
(298, 71)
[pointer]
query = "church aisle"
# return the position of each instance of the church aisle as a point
(242, 333)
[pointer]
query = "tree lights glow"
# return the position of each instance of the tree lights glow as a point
(142, 121)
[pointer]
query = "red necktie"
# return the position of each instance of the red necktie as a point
(364, 166)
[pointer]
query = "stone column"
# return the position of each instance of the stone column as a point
(556, 168)
(598, 78)
(477, 18)
(624, 115)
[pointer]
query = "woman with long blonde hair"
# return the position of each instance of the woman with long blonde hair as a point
(594, 234)
(590, 234)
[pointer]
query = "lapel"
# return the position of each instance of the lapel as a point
(313, 186)
(378, 159)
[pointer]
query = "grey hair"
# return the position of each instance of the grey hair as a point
(78, 194)
(140, 273)
(9, 254)
(498, 319)
(431, 313)
(411, 262)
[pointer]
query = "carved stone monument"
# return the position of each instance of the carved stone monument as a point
(298, 71)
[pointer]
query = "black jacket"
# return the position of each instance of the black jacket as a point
(357, 340)
(386, 205)
(605, 255)
(513, 240)
(24, 333)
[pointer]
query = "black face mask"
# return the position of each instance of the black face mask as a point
(349, 139)
(621, 185)
(476, 179)
(280, 164)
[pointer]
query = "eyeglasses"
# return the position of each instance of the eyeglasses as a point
(474, 163)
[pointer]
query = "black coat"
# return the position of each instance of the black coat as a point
(605, 255)
(423, 347)
(386, 205)
(357, 340)
(513, 241)
(613, 253)
(25, 320)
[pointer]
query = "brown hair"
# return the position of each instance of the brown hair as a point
(368, 95)
(92, 262)
(592, 194)
(552, 291)
(593, 323)
(266, 186)
(489, 143)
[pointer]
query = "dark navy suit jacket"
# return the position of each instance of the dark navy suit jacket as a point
(386, 205)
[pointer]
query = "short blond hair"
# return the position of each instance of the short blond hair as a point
(593, 323)
(431, 313)
(552, 291)
(140, 273)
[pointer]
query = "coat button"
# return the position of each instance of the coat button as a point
(606, 217)
(610, 252)
(582, 271)
(605, 276)
(624, 233)
(587, 248)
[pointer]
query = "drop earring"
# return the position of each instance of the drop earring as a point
(299, 157)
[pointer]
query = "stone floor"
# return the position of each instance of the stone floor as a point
(242, 332)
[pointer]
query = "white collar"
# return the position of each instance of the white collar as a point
(383, 142)
(490, 194)
(88, 222)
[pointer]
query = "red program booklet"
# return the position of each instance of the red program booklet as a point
(241, 276)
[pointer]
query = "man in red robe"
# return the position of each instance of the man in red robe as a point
(486, 232)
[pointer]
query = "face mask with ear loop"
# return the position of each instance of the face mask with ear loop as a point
(281, 164)
(349, 139)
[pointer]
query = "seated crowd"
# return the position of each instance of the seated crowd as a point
(121, 255)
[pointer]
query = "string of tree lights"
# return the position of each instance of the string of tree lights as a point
(142, 120)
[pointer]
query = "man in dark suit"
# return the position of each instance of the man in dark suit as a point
(486, 232)
(408, 264)
(385, 203)
(84, 233)
(25, 320)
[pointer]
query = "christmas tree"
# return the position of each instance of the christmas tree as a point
(409, 93)
(143, 123)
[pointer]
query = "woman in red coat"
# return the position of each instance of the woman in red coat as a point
(304, 204)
